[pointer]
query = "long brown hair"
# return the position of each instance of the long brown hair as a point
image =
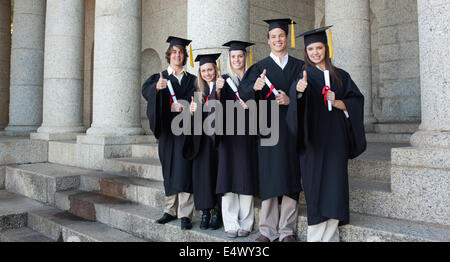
(328, 64)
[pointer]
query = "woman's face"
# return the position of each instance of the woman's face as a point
(237, 59)
(316, 52)
(208, 72)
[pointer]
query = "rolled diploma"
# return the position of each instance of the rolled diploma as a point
(269, 84)
(327, 83)
(233, 86)
(211, 87)
(172, 93)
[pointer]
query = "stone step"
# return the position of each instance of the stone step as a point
(63, 152)
(40, 181)
(22, 150)
(23, 234)
(135, 167)
(145, 151)
(140, 220)
(13, 210)
(53, 222)
(388, 138)
(137, 219)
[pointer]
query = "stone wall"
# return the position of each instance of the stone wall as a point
(5, 53)
(395, 60)
(88, 61)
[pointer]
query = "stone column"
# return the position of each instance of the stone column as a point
(63, 67)
(5, 54)
(27, 66)
(117, 68)
(434, 26)
(209, 30)
(351, 45)
(421, 173)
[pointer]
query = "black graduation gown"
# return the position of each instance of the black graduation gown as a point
(237, 154)
(201, 150)
(177, 171)
(326, 140)
(279, 171)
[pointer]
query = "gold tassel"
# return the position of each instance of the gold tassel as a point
(220, 69)
(250, 57)
(330, 43)
(292, 34)
(191, 57)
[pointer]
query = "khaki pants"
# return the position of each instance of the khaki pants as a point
(181, 204)
(237, 212)
(327, 231)
(275, 223)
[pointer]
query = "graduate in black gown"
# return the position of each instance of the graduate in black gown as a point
(177, 171)
(326, 139)
(200, 147)
(279, 168)
(237, 177)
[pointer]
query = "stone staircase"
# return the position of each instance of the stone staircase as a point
(123, 201)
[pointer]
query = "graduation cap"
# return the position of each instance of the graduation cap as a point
(318, 35)
(284, 25)
(207, 58)
(173, 40)
(238, 45)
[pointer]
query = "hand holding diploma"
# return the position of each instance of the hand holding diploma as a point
(234, 88)
(269, 84)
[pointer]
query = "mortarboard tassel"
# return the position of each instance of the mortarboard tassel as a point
(250, 57)
(220, 69)
(191, 56)
(330, 41)
(292, 34)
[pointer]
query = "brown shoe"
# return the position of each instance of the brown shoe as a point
(262, 238)
(289, 239)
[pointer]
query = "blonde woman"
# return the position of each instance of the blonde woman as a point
(237, 177)
(201, 148)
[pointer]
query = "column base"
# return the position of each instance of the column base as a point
(115, 131)
(15, 130)
(54, 136)
(426, 139)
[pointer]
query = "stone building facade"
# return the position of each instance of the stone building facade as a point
(71, 74)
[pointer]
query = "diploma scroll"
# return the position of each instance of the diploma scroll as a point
(233, 87)
(272, 87)
(327, 83)
(172, 93)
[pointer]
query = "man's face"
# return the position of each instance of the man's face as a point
(277, 40)
(177, 56)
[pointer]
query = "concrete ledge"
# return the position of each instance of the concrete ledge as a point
(22, 151)
(145, 151)
(135, 167)
(54, 137)
(23, 234)
(396, 128)
(388, 138)
(421, 157)
(114, 140)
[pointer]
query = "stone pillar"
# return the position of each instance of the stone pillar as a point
(434, 26)
(27, 66)
(351, 45)
(117, 68)
(63, 67)
(5, 54)
(209, 30)
(421, 174)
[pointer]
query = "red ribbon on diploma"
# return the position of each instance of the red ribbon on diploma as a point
(324, 93)
(207, 100)
(237, 98)
(272, 87)
(171, 100)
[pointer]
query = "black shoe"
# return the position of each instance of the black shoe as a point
(165, 219)
(186, 223)
(216, 219)
(206, 216)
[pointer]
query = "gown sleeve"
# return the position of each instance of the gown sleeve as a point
(354, 101)
(154, 108)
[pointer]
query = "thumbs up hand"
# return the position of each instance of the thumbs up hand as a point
(220, 82)
(260, 82)
(162, 83)
(193, 106)
(303, 83)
